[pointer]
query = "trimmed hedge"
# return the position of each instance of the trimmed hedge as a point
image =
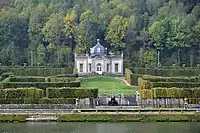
(148, 82)
(61, 79)
(144, 84)
(176, 84)
(170, 72)
(71, 92)
(170, 79)
(146, 94)
(27, 79)
(46, 100)
(12, 118)
(36, 71)
(6, 75)
(170, 117)
(176, 92)
(131, 78)
(20, 95)
(41, 85)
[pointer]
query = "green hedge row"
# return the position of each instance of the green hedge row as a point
(167, 72)
(176, 92)
(27, 79)
(6, 75)
(170, 79)
(146, 94)
(148, 82)
(140, 117)
(20, 95)
(36, 71)
(131, 78)
(176, 84)
(46, 100)
(71, 92)
(41, 85)
(60, 79)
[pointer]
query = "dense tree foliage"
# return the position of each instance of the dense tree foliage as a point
(48, 32)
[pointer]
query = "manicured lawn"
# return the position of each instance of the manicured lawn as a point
(110, 85)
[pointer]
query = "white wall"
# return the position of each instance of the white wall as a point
(103, 62)
(84, 62)
(120, 66)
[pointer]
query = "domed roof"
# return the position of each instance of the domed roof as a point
(98, 49)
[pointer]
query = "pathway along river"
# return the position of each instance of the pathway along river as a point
(99, 127)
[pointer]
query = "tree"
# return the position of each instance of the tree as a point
(178, 35)
(40, 54)
(88, 31)
(70, 28)
(116, 32)
(13, 32)
(53, 29)
(158, 31)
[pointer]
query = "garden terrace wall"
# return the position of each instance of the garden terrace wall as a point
(170, 72)
(41, 85)
(72, 92)
(35, 71)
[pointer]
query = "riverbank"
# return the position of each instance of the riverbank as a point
(102, 117)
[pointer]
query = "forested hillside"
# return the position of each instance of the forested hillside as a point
(47, 32)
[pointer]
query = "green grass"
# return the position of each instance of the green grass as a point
(110, 85)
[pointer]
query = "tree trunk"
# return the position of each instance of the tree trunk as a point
(191, 57)
(178, 57)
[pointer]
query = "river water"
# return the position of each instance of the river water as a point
(99, 127)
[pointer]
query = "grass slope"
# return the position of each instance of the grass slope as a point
(110, 85)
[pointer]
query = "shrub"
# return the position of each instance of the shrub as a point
(36, 71)
(144, 84)
(46, 100)
(146, 94)
(27, 79)
(169, 72)
(148, 82)
(20, 96)
(6, 75)
(176, 92)
(131, 78)
(61, 79)
(41, 85)
(71, 92)
(170, 79)
(103, 117)
(67, 75)
(12, 118)
(176, 84)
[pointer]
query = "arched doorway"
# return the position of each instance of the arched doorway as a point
(99, 68)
